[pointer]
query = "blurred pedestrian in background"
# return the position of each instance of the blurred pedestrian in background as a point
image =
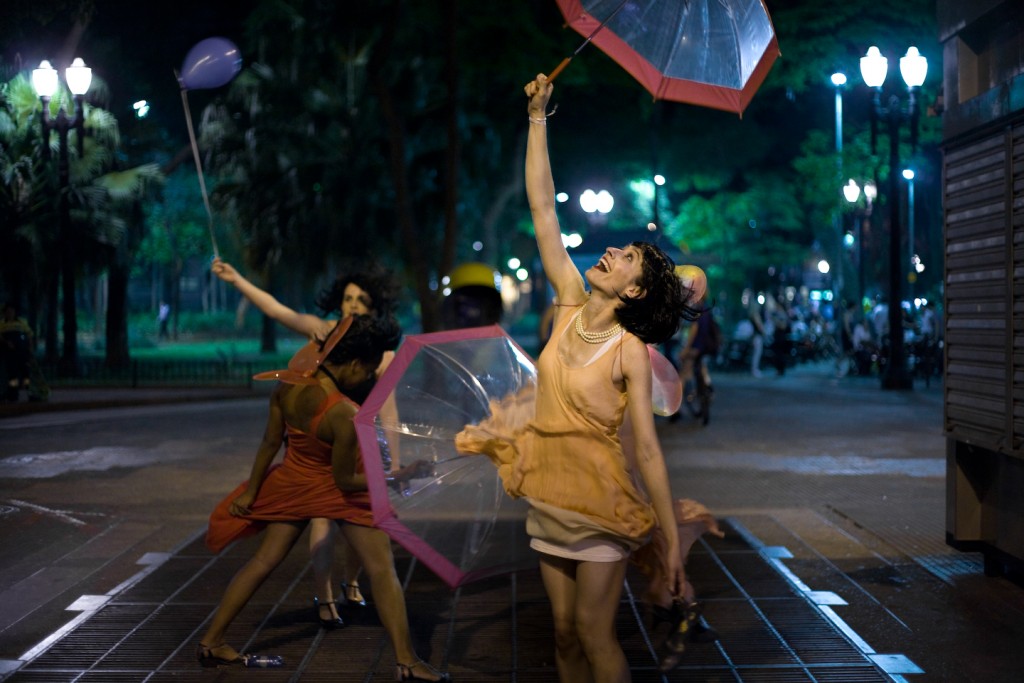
(163, 318)
(16, 342)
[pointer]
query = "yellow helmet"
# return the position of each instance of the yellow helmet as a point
(693, 279)
(473, 273)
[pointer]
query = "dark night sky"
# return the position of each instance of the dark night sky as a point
(134, 46)
(138, 46)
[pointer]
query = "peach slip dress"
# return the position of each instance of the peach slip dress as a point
(566, 458)
(301, 487)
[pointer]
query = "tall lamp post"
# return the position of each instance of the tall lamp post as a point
(838, 81)
(45, 81)
(908, 174)
(873, 68)
(852, 193)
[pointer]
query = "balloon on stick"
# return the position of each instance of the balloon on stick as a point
(210, 63)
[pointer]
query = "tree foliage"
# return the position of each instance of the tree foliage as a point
(98, 193)
(394, 130)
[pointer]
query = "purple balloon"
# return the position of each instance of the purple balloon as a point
(210, 64)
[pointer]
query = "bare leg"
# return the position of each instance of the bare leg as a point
(322, 535)
(584, 600)
(598, 589)
(374, 550)
(278, 539)
(351, 569)
(559, 577)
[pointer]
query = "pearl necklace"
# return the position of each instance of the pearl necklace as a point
(594, 337)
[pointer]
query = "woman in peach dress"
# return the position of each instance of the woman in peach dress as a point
(587, 511)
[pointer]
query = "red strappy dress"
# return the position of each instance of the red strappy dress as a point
(301, 487)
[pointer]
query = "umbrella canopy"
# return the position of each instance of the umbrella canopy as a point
(713, 53)
(453, 514)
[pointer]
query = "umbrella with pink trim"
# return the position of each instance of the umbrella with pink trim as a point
(451, 511)
(712, 53)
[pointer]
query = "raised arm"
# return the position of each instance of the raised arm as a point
(303, 323)
(540, 191)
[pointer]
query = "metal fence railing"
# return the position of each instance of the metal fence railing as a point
(157, 373)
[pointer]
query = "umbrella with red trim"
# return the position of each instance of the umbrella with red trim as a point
(712, 53)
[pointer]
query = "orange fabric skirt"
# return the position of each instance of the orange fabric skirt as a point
(288, 494)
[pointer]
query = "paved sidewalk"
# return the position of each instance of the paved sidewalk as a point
(834, 568)
(84, 398)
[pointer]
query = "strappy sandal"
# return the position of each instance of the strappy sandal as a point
(206, 658)
(407, 672)
(353, 596)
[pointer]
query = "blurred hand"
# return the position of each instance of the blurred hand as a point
(225, 271)
(242, 505)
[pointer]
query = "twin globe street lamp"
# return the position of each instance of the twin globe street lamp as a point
(45, 81)
(873, 69)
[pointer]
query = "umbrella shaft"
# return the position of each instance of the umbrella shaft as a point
(565, 62)
(603, 24)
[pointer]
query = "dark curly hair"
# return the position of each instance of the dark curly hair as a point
(655, 316)
(376, 280)
(367, 340)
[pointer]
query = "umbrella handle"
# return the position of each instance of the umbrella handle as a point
(565, 62)
(559, 69)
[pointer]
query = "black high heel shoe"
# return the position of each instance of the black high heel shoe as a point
(333, 622)
(407, 672)
(353, 596)
(672, 615)
(208, 660)
(686, 627)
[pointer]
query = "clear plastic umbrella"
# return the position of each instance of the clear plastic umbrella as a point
(451, 511)
(713, 53)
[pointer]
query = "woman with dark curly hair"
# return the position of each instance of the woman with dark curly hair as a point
(322, 474)
(586, 513)
(371, 290)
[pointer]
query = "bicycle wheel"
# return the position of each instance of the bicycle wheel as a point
(691, 398)
(703, 399)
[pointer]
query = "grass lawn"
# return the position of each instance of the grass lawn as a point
(236, 349)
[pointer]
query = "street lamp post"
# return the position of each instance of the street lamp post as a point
(873, 68)
(908, 174)
(45, 81)
(852, 193)
(838, 81)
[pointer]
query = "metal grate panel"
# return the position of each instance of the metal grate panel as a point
(498, 629)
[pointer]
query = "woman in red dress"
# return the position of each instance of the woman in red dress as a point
(321, 476)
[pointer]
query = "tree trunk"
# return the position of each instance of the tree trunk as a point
(118, 350)
(175, 287)
(268, 327)
(52, 302)
(451, 176)
(410, 234)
